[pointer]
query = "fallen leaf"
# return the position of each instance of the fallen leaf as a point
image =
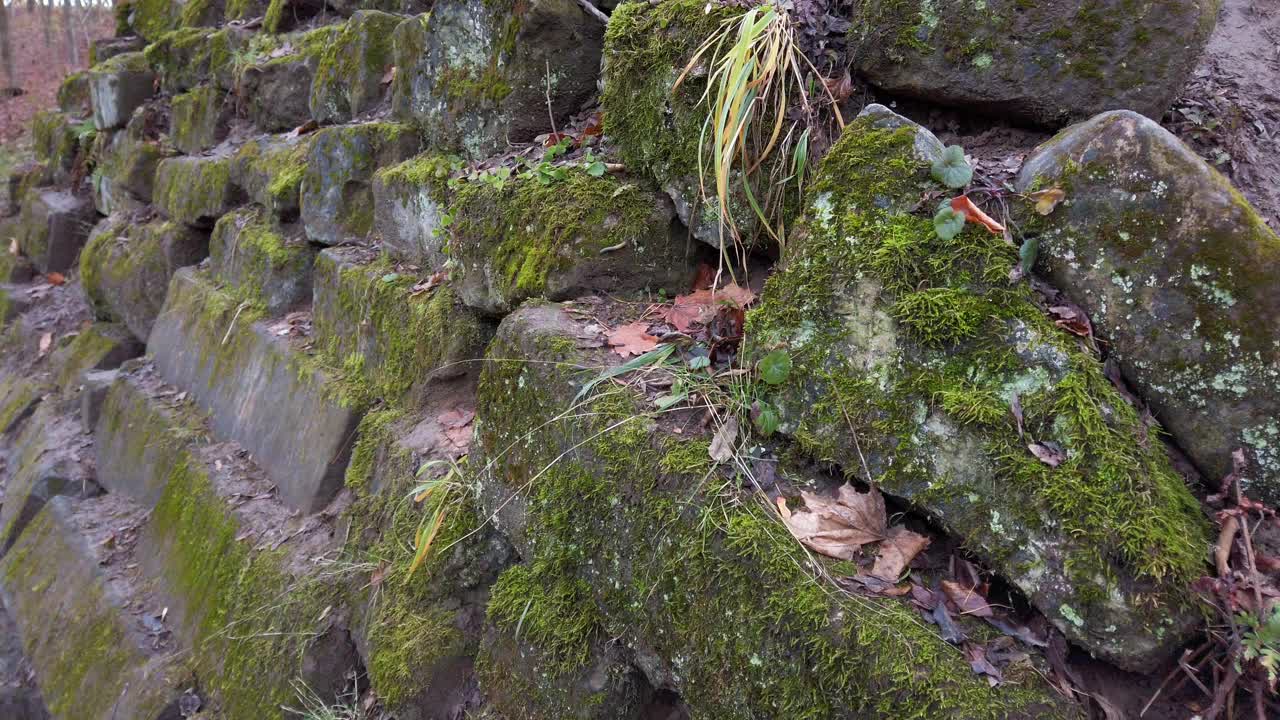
(302, 129)
(974, 214)
(55, 279)
(977, 657)
(389, 75)
(878, 586)
(838, 527)
(1015, 407)
(942, 618)
(700, 306)
(1047, 453)
(968, 600)
(1047, 200)
(1072, 319)
(724, 441)
(1015, 630)
(632, 339)
(429, 284)
(897, 551)
(46, 342)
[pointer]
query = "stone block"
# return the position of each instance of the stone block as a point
(22, 178)
(258, 389)
(56, 141)
(14, 269)
(100, 346)
(149, 19)
(73, 94)
(201, 119)
(348, 80)
(126, 165)
(51, 457)
(126, 267)
(90, 652)
(410, 201)
(259, 258)
(605, 235)
(269, 169)
(337, 197)
(103, 49)
(473, 73)
(185, 58)
(1177, 273)
(118, 86)
(54, 226)
(278, 86)
(93, 393)
(195, 191)
(368, 318)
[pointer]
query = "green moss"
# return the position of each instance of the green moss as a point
(621, 549)
(886, 323)
(196, 13)
(194, 190)
(83, 353)
(196, 117)
(348, 78)
(275, 13)
(152, 18)
(16, 397)
(429, 170)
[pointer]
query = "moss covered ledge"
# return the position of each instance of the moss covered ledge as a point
(618, 543)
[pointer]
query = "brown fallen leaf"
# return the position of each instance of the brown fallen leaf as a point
(724, 441)
(303, 129)
(974, 214)
(429, 284)
(1072, 319)
(632, 339)
(968, 600)
(46, 342)
(700, 307)
(1047, 200)
(55, 279)
(838, 527)
(897, 551)
(1047, 453)
(977, 657)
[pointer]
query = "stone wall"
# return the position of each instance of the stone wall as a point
(302, 304)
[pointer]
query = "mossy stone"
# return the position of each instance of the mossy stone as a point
(117, 86)
(1178, 274)
(73, 94)
(195, 191)
(200, 119)
(337, 198)
(348, 80)
(257, 257)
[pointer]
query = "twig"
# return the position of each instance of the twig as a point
(1187, 655)
(1248, 552)
(550, 115)
(594, 11)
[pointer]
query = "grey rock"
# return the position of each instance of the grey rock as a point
(473, 87)
(102, 49)
(118, 86)
(279, 88)
(257, 390)
(95, 385)
(99, 346)
(1047, 63)
(408, 211)
(269, 169)
(200, 120)
(254, 254)
(337, 198)
(54, 226)
(195, 191)
(1178, 274)
(348, 80)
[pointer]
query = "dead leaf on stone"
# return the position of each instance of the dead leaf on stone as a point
(1047, 453)
(724, 441)
(303, 129)
(897, 551)
(700, 307)
(429, 284)
(632, 339)
(1015, 407)
(1072, 319)
(977, 657)
(46, 342)
(974, 214)
(968, 600)
(1047, 200)
(838, 527)
(55, 279)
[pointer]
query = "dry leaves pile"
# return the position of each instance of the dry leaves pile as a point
(708, 316)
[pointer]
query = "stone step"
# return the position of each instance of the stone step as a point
(97, 641)
(269, 170)
(258, 388)
(20, 698)
(337, 193)
(126, 266)
(195, 191)
(239, 570)
(258, 257)
(369, 319)
(117, 86)
(54, 225)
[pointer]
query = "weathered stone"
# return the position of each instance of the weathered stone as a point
(182, 58)
(279, 88)
(102, 49)
(257, 389)
(18, 399)
(1046, 63)
(203, 13)
(100, 346)
(604, 235)
(126, 267)
(1178, 274)
(73, 94)
(368, 318)
(259, 258)
(245, 10)
(95, 384)
(150, 19)
(13, 268)
(410, 201)
(139, 439)
(473, 73)
(22, 178)
(56, 141)
(117, 86)
(348, 80)
(91, 654)
(336, 199)
(284, 15)
(201, 119)
(908, 352)
(54, 226)
(404, 7)
(195, 190)
(48, 459)
(627, 533)
(658, 126)
(127, 161)
(19, 695)
(228, 49)
(270, 169)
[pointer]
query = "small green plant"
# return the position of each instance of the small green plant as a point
(344, 707)
(948, 222)
(440, 489)
(951, 169)
(1261, 642)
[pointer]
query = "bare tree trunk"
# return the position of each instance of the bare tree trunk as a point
(6, 46)
(69, 36)
(46, 22)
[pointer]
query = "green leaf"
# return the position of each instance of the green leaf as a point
(952, 169)
(947, 222)
(767, 419)
(1028, 252)
(596, 169)
(656, 356)
(390, 277)
(775, 367)
(699, 362)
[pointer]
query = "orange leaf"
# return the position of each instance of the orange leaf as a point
(633, 339)
(974, 214)
(55, 278)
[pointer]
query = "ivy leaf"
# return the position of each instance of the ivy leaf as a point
(1028, 252)
(775, 367)
(596, 169)
(952, 169)
(948, 222)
